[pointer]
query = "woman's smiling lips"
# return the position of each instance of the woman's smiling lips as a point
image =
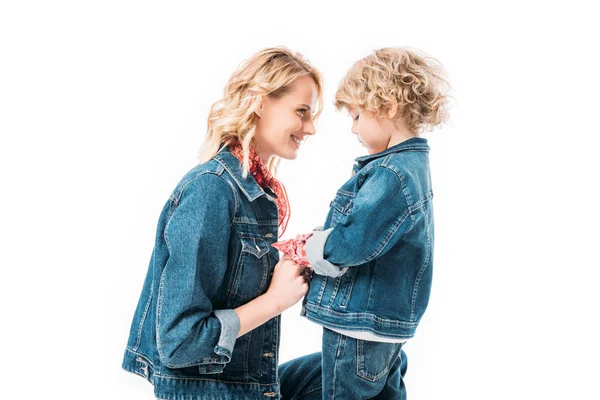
(296, 140)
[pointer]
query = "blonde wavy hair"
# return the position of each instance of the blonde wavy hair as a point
(270, 72)
(411, 82)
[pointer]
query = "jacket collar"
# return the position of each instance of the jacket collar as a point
(248, 186)
(416, 143)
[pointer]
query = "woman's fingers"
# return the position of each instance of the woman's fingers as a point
(299, 270)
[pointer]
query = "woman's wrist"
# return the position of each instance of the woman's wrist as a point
(256, 312)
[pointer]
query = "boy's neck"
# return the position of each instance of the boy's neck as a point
(398, 137)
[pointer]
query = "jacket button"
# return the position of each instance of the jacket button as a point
(269, 235)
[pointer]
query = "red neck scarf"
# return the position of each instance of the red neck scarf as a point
(264, 178)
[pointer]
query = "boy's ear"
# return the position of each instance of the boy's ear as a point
(393, 111)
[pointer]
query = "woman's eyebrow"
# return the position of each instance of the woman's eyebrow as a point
(307, 106)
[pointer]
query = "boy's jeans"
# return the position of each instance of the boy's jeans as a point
(346, 369)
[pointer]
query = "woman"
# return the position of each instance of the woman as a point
(207, 322)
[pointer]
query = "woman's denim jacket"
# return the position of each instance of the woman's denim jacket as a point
(373, 260)
(212, 253)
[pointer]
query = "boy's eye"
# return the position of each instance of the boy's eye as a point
(356, 117)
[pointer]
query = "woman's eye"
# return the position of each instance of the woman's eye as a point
(303, 111)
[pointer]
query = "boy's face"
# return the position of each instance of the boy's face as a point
(373, 133)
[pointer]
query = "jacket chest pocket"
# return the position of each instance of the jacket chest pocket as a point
(252, 269)
(341, 206)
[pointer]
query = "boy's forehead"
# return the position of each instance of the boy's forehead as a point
(352, 109)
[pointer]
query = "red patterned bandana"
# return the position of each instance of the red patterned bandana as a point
(264, 178)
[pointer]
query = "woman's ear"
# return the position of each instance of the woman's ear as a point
(259, 110)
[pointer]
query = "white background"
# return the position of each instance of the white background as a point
(103, 106)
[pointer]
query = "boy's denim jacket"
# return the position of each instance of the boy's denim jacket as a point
(212, 253)
(373, 260)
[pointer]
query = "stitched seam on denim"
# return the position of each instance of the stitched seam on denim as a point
(248, 221)
(145, 367)
(365, 329)
(349, 288)
(394, 227)
(335, 290)
(238, 274)
(423, 147)
(337, 353)
(366, 374)
(158, 340)
(421, 272)
(359, 357)
(307, 391)
(407, 196)
(158, 310)
(419, 204)
(143, 319)
(178, 198)
(362, 329)
(322, 289)
(371, 285)
(361, 316)
(237, 277)
(246, 374)
(209, 379)
(276, 334)
(140, 355)
(387, 237)
(240, 185)
(266, 269)
(345, 193)
(262, 245)
(235, 198)
(339, 208)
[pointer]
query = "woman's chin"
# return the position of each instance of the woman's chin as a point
(289, 154)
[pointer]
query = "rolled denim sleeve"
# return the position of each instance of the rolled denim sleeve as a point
(315, 246)
(189, 331)
(380, 215)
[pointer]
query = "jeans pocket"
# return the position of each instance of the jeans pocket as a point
(252, 270)
(374, 359)
(342, 206)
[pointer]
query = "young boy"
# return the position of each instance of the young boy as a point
(372, 263)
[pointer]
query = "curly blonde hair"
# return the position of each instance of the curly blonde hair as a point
(270, 72)
(397, 78)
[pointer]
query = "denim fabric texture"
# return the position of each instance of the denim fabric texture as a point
(212, 253)
(373, 261)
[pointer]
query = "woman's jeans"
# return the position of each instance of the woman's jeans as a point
(346, 369)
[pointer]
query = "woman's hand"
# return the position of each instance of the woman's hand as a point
(288, 284)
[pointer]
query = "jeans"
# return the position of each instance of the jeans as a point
(346, 369)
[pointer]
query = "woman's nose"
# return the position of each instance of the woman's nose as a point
(309, 127)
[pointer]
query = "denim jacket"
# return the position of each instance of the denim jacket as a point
(373, 260)
(212, 253)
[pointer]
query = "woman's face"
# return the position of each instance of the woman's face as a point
(283, 123)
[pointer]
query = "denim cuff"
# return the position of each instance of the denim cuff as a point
(230, 327)
(315, 246)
